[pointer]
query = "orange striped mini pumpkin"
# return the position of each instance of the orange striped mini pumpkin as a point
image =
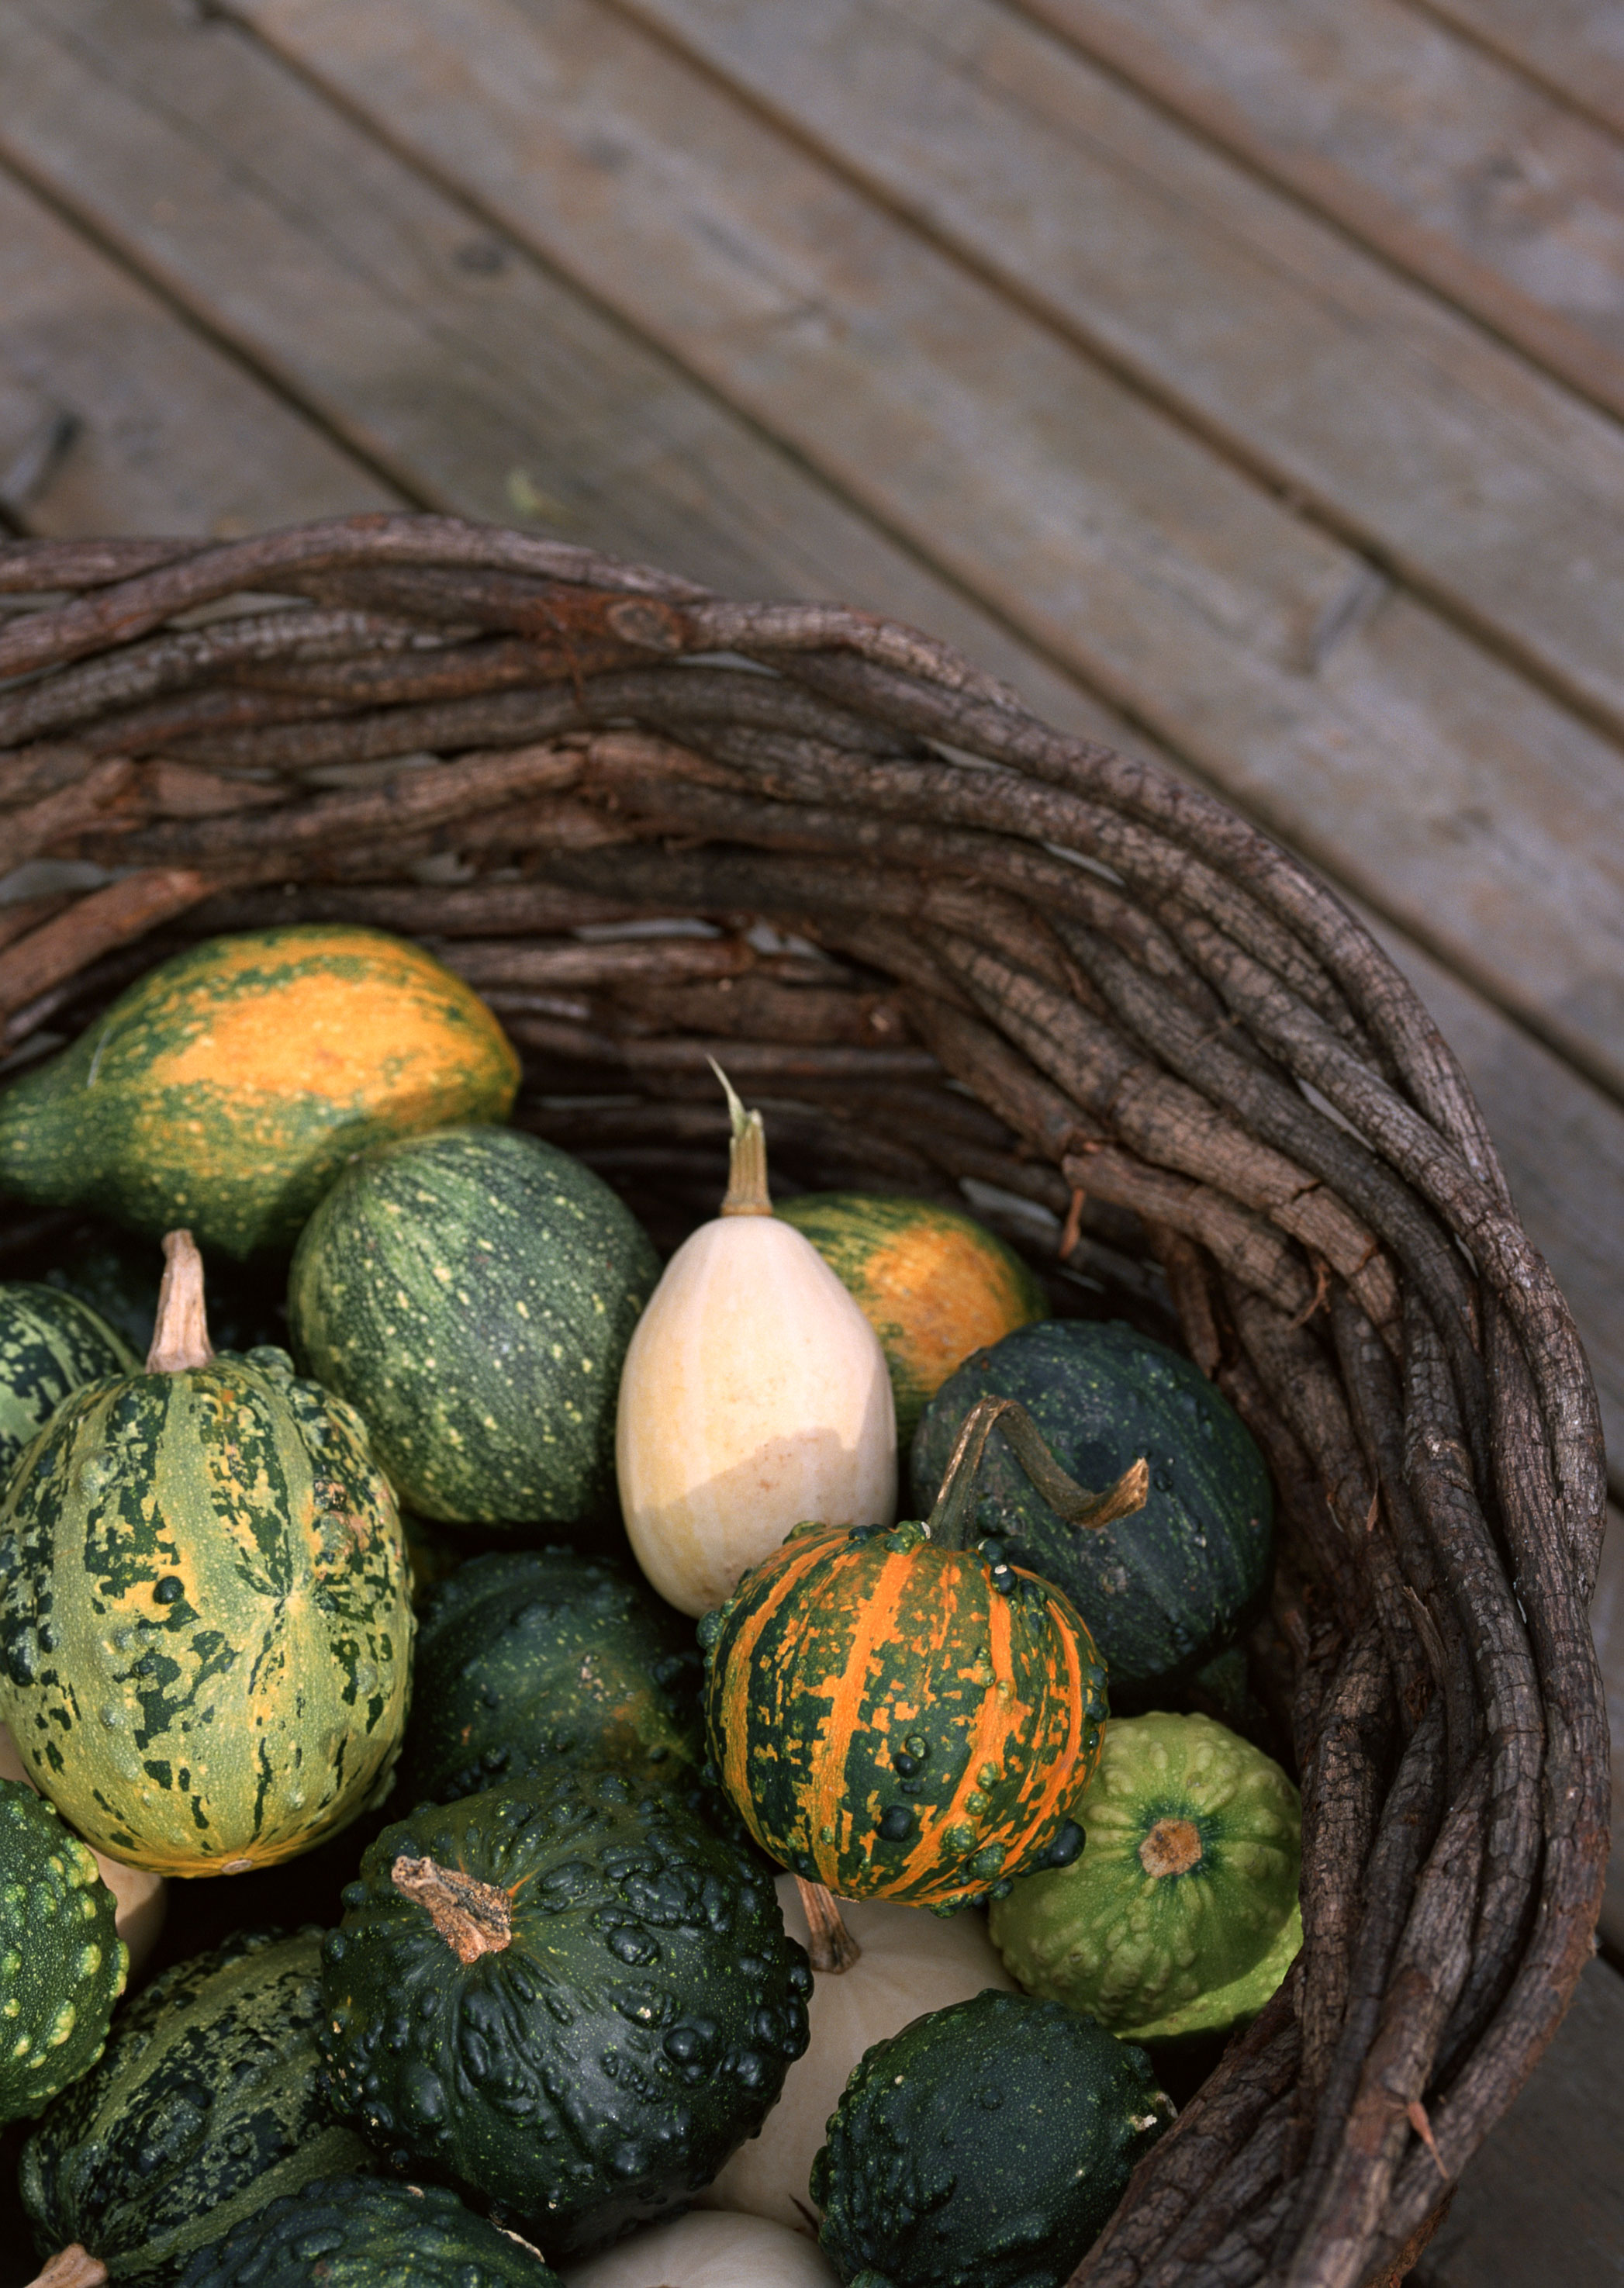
(899, 1717)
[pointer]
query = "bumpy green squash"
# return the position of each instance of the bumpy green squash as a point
(50, 1344)
(204, 1624)
(983, 2146)
(1181, 1917)
(525, 1658)
(207, 2104)
(62, 1963)
(362, 2232)
(1162, 1590)
(472, 1293)
(932, 1282)
(225, 1090)
(577, 2000)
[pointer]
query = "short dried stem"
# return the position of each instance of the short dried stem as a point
(180, 1334)
(830, 1945)
(473, 1917)
(747, 1159)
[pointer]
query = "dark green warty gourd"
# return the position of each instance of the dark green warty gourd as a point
(207, 2103)
(576, 2000)
(983, 2146)
(368, 2232)
(472, 1293)
(62, 1963)
(50, 1344)
(1160, 1590)
(526, 1657)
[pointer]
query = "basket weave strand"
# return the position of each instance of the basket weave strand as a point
(1042, 966)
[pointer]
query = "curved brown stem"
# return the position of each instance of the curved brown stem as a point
(473, 1917)
(830, 1945)
(950, 1518)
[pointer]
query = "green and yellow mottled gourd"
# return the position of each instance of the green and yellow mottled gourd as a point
(898, 1717)
(204, 1624)
(50, 1344)
(62, 1963)
(228, 1087)
(932, 1282)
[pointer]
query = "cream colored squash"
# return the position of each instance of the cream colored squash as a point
(755, 1396)
(708, 2251)
(143, 1897)
(909, 1961)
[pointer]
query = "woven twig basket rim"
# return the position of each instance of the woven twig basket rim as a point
(1170, 1013)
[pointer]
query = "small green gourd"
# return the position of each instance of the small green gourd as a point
(62, 1963)
(983, 2146)
(1181, 1915)
(363, 2232)
(50, 1344)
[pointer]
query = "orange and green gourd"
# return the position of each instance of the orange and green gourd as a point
(898, 1716)
(204, 1620)
(227, 1088)
(932, 1282)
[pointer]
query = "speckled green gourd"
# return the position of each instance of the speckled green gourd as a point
(204, 1623)
(206, 2105)
(62, 1963)
(50, 1343)
(983, 2146)
(1161, 1590)
(1181, 1915)
(525, 1658)
(472, 1293)
(576, 2000)
(359, 2232)
(225, 1090)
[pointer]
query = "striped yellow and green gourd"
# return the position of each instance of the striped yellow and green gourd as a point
(204, 1622)
(896, 1716)
(50, 1343)
(229, 1086)
(932, 1282)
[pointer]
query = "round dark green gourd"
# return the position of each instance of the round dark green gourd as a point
(472, 1294)
(207, 2104)
(577, 2000)
(50, 1344)
(1162, 1589)
(983, 2146)
(526, 1656)
(62, 1963)
(361, 2232)
(204, 1624)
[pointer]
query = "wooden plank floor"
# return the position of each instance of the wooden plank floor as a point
(1241, 379)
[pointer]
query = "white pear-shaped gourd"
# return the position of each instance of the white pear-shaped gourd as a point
(709, 2250)
(755, 1396)
(907, 1961)
(141, 1897)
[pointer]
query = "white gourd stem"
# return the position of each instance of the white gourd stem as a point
(72, 2267)
(747, 1160)
(950, 1519)
(180, 1336)
(830, 1945)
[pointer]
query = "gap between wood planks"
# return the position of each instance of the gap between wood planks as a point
(1154, 573)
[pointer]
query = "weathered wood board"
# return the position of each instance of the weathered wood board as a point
(1485, 487)
(1607, 1620)
(124, 419)
(1424, 144)
(1403, 757)
(1575, 47)
(1544, 2200)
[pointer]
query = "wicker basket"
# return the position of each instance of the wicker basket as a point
(943, 944)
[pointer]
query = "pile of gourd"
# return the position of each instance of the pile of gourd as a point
(569, 1998)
